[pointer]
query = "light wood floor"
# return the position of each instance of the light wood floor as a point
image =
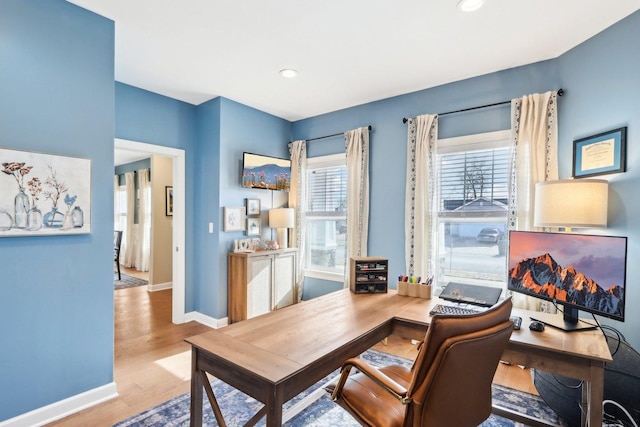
(152, 361)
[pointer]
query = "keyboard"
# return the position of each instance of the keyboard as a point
(452, 310)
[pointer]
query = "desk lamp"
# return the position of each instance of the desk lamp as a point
(571, 203)
(282, 219)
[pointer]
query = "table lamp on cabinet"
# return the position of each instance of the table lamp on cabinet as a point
(282, 219)
(580, 203)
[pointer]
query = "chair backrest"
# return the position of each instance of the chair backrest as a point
(454, 369)
(117, 241)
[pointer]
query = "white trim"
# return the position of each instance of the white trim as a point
(330, 160)
(159, 287)
(209, 321)
(325, 275)
(179, 187)
(63, 408)
(487, 140)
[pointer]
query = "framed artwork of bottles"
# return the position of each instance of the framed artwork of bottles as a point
(44, 194)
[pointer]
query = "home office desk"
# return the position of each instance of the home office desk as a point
(275, 356)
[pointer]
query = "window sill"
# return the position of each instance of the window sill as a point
(324, 275)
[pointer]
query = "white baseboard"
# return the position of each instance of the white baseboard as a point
(211, 322)
(159, 287)
(63, 408)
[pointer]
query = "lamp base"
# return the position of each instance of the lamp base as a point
(283, 238)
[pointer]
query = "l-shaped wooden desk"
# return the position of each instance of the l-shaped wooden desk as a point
(274, 357)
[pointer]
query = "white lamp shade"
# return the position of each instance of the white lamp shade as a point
(281, 218)
(571, 203)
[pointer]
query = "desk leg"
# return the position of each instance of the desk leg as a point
(593, 391)
(274, 408)
(196, 391)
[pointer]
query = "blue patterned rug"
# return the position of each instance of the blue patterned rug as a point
(237, 408)
(127, 281)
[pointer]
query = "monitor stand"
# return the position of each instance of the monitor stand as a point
(568, 322)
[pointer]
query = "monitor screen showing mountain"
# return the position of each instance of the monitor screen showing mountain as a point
(584, 272)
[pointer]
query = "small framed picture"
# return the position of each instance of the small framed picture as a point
(253, 226)
(233, 218)
(253, 207)
(600, 154)
(168, 201)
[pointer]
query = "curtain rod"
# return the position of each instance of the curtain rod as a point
(328, 136)
(404, 119)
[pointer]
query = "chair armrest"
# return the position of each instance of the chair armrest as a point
(395, 389)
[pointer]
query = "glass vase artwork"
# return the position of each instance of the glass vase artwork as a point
(34, 219)
(6, 221)
(38, 189)
(54, 218)
(22, 206)
(67, 222)
(77, 217)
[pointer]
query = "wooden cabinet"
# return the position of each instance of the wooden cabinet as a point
(259, 282)
(368, 275)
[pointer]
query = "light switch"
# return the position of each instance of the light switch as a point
(210, 227)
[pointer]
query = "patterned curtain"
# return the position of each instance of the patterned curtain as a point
(420, 207)
(357, 149)
(534, 136)
(298, 201)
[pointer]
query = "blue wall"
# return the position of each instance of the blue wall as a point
(388, 141)
(58, 95)
(244, 129)
(144, 116)
(56, 300)
(602, 92)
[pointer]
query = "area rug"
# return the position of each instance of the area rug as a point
(127, 281)
(237, 408)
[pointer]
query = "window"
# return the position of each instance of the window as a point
(472, 188)
(326, 215)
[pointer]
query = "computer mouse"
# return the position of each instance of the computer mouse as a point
(536, 326)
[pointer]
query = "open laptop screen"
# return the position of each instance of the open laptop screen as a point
(484, 296)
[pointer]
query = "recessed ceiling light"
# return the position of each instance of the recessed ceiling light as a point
(470, 5)
(288, 73)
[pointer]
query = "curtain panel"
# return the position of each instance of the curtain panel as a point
(357, 151)
(129, 248)
(298, 201)
(420, 191)
(144, 222)
(534, 136)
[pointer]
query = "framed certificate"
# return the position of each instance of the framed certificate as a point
(600, 154)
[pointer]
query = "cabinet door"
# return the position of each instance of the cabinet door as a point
(284, 286)
(259, 284)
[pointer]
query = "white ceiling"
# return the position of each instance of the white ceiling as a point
(347, 52)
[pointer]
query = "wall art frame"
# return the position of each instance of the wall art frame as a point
(233, 218)
(44, 194)
(252, 206)
(254, 227)
(600, 154)
(168, 200)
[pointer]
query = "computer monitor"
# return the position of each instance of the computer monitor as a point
(581, 272)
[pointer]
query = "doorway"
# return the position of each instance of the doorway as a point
(178, 156)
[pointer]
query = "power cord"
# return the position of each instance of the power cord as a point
(617, 422)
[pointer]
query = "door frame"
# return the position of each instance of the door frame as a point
(179, 259)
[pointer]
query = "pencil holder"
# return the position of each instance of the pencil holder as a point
(403, 288)
(413, 289)
(424, 291)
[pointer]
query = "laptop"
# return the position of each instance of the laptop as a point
(484, 296)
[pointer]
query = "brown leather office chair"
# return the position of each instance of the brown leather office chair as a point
(449, 383)
(117, 241)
